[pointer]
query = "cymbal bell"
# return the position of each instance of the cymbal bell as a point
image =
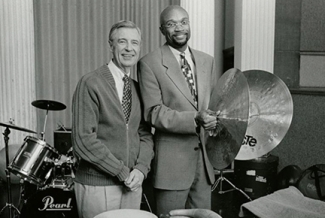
(13, 126)
(270, 114)
(231, 99)
(49, 105)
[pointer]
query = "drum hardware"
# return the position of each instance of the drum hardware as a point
(221, 179)
(62, 173)
(48, 105)
(34, 161)
(6, 133)
(254, 111)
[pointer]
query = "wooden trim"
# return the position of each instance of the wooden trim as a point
(308, 91)
(314, 53)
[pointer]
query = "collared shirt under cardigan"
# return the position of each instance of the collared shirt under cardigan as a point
(108, 149)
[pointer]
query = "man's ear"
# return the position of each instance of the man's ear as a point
(110, 43)
(162, 30)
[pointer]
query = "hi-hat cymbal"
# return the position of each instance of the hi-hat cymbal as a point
(49, 105)
(270, 114)
(12, 126)
(231, 99)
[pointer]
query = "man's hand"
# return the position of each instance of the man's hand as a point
(206, 120)
(193, 213)
(135, 179)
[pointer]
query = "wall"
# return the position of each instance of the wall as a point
(17, 69)
(304, 143)
(71, 40)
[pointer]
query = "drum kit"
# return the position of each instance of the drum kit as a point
(254, 110)
(41, 168)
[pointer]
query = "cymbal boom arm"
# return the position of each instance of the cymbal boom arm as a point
(43, 133)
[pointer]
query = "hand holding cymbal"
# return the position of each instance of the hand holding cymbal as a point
(230, 103)
(254, 109)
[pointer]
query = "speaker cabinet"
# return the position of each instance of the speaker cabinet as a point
(62, 141)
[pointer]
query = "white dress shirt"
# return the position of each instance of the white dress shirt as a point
(118, 75)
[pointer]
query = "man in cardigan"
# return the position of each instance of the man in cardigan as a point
(112, 143)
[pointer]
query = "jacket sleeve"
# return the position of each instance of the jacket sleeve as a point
(146, 153)
(156, 112)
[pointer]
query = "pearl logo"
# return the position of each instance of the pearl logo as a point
(49, 205)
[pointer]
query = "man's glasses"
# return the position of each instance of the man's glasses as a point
(171, 24)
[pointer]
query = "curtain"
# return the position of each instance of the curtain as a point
(71, 40)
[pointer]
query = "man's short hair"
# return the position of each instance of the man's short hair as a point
(122, 24)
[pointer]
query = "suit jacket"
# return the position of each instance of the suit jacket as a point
(170, 109)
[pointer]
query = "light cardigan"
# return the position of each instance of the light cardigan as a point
(107, 148)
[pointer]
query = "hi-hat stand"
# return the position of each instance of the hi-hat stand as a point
(220, 181)
(6, 139)
(9, 204)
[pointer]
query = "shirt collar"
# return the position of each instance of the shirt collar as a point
(116, 71)
(177, 53)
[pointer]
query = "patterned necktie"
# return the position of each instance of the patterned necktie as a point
(186, 69)
(127, 98)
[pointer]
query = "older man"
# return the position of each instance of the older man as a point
(110, 139)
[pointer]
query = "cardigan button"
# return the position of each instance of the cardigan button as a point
(196, 148)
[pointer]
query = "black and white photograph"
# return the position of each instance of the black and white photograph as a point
(162, 108)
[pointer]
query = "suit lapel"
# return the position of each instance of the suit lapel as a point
(176, 76)
(201, 77)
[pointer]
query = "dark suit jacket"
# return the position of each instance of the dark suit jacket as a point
(169, 108)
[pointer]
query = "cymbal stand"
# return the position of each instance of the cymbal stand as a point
(220, 180)
(9, 203)
(43, 133)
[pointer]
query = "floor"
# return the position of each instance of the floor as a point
(227, 204)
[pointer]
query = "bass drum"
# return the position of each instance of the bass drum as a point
(50, 203)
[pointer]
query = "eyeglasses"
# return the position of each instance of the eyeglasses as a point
(171, 24)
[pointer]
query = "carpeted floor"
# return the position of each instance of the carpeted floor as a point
(227, 204)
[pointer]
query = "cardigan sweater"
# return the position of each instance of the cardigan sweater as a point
(106, 146)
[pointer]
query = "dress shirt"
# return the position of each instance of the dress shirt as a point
(118, 75)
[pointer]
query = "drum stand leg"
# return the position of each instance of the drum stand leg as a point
(221, 179)
(9, 203)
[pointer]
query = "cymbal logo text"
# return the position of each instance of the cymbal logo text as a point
(249, 140)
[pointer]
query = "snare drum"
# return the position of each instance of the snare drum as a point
(34, 160)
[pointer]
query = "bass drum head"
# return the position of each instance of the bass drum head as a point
(50, 203)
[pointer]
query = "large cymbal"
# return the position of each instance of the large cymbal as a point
(49, 105)
(13, 126)
(231, 98)
(270, 114)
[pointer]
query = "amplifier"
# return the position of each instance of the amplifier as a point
(62, 140)
(256, 177)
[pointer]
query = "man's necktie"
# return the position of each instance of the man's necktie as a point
(186, 69)
(127, 98)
